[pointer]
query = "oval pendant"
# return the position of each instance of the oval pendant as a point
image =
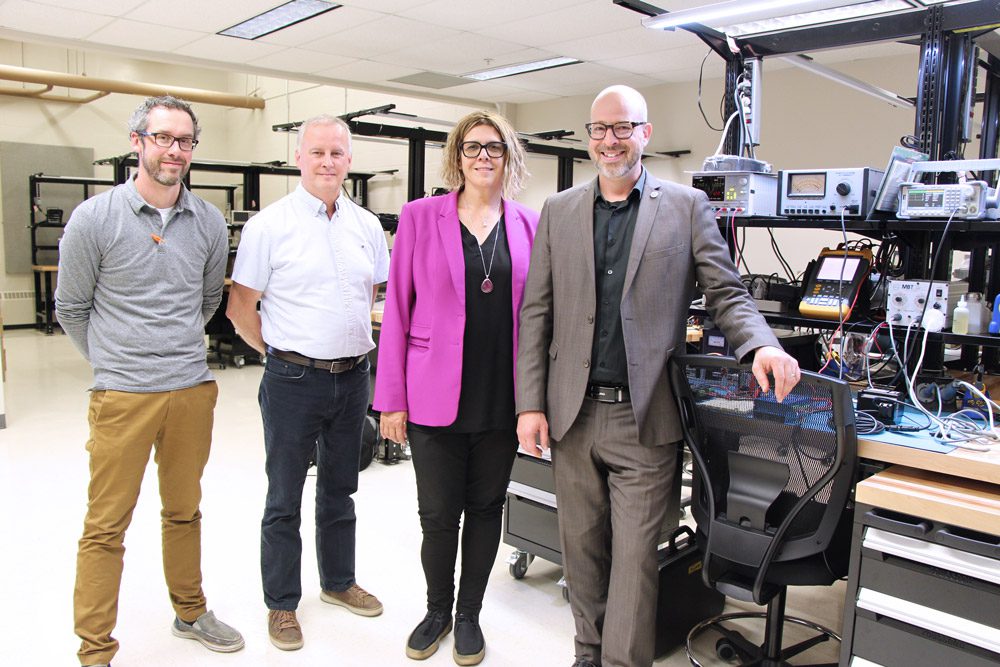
(487, 286)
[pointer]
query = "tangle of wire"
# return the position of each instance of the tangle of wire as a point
(967, 428)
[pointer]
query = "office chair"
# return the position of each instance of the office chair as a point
(770, 496)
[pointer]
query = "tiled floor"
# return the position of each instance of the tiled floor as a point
(43, 478)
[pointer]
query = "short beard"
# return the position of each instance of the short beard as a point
(156, 173)
(614, 171)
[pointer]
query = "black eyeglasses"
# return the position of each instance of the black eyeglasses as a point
(167, 140)
(475, 149)
(622, 130)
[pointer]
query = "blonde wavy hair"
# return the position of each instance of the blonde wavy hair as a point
(515, 171)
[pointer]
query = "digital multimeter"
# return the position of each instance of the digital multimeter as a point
(835, 282)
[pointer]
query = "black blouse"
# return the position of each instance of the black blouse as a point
(486, 401)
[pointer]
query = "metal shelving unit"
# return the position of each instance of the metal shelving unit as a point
(948, 65)
(44, 249)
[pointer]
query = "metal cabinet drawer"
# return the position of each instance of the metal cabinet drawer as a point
(532, 527)
(534, 472)
(892, 643)
(944, 590)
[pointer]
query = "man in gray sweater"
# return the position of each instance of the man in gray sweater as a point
(141, 268)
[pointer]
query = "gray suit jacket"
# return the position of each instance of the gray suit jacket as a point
(676, 242)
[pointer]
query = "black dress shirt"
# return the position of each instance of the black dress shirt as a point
(614, 223)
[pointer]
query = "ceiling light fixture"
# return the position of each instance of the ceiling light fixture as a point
(734, 11)
(278, 18)
(807, 63)
(511, 70)
(817, 17)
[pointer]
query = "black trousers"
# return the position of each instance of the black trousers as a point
(460, 473)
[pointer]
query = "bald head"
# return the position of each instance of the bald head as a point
(629, 98)
(619, 115)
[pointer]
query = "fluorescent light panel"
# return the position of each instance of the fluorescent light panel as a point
(280, 17)
(824, 16)
(736, 10)
(511, 70)
(738, 18)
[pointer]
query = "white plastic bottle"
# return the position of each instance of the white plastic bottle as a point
(978, 315)
(960, 318)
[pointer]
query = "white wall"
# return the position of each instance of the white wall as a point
(807, 122)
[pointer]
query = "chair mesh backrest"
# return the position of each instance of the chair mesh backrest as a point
(810, 433)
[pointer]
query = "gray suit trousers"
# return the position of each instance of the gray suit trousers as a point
(612, 494)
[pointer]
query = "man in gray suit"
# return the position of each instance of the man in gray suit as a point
(612, 275)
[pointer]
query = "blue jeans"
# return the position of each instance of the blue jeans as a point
(300, 404)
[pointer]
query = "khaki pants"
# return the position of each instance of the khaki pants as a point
(124, 427)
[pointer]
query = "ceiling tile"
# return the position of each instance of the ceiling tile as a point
(106, 7)
(593, 18)
(298, 60)
(201, 15)
(471, 15)
(385, 6)
(227, 49)
(48, 20)
(137, 35)
(384, 36)
(323, 25)
(671, 60)
(366, 70)
(628, 42)
(585, 73)
(440, 55)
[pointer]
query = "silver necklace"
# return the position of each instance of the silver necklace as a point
(487, 284)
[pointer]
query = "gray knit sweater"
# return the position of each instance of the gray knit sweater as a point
(134, 293)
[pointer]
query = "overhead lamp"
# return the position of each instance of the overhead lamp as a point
(807, 63)
(278, 18)
(817, 17)
(720, 13)
(729, 16)
(511, 70)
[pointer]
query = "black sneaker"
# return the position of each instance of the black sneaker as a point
(470, 647)
(426, 637)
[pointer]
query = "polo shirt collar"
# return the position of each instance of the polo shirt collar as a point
(136, 202)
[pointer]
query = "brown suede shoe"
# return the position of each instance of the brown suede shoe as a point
(355, 599)
(284, 629)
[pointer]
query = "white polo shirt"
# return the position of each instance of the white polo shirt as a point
(316, 274)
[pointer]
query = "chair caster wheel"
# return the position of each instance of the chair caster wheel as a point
(725, 650)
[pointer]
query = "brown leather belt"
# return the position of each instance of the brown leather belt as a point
(331, 365)
(604, 394)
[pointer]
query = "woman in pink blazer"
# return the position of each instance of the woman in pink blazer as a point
(445, 377)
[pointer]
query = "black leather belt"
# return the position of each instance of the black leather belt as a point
(604, 394)
(331, 365)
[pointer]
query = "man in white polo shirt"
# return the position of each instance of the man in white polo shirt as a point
(313, 260)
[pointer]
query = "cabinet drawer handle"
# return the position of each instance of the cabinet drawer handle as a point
(898, 522)
(972, 541)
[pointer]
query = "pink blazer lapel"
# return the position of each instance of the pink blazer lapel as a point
(520, 248)
(451, 241)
